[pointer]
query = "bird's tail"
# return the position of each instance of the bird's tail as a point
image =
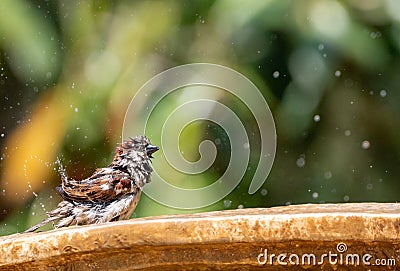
(41, 224)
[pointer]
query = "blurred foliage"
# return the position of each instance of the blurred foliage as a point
(329, 70)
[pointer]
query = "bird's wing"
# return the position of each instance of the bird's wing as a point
(105, 184)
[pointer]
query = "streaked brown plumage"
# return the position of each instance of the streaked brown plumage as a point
(110, 194)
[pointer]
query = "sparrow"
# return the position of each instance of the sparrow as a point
(110, 194)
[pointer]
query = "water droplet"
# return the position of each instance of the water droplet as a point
(346, 198)
(217, 141)
(301, 162)
(246, 145)
(315, 195)
(227, 203)
(275, 74)
(264, 192)
(317, 118)
(347, 133)
(370, 186)
(375, 35)
(76, 109)
(2, 135)
(240, 206)
(321, 47)
(328, 175)
(338, 73)
(365, 145)
(383, 93)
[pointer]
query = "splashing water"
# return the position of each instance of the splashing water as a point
(57, 166)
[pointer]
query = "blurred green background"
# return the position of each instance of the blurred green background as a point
(330, 71)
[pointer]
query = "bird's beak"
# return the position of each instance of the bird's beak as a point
(150, 149)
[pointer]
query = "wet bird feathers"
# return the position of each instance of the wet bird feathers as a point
(110, 194)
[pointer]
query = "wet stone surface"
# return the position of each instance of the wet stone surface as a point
(241, 239)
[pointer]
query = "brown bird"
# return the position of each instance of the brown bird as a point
(110, 194)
